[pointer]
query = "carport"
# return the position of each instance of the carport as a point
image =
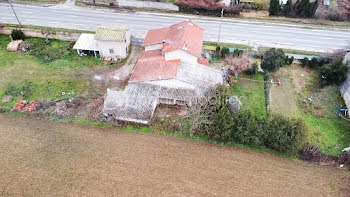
(86, 45)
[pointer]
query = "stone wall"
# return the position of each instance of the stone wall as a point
(147, 4)
(69, 36)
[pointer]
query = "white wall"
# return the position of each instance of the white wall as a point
(226, 2)
(119, 48)
(153, 47)
(147, 4)
(180, 54)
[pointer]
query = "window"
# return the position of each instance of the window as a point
(111, 51)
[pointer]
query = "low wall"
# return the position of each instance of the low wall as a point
(147, 4)
(345, 88)
(42, 33)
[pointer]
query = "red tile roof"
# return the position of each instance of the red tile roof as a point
(185, 36)
(203, 61)
(152, 66)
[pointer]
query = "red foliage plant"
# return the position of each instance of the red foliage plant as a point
(202, 4)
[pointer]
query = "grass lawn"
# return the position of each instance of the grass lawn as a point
(229, 45)
(301, 96)
(250, 91)
(48, 72)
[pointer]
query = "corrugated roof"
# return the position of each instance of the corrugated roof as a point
(111, 32)
(86, 42)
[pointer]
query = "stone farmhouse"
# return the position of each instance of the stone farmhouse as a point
(171, 71)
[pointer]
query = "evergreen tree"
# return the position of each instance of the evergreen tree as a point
(274, 7)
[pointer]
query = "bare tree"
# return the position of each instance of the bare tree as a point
(238, 64)
(202, 4)
(345, 6)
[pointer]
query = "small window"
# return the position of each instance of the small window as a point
(111, 51)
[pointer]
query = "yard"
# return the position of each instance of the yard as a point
(301, 96)
(48, 72)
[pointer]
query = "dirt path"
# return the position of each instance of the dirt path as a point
(69, 160)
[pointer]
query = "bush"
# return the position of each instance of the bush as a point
(27, 89)
(305, 62)
(274, 7)
(238, 64)
(334, 73)
(305, 9)
(313, 63)
(12, 90)
(291, 59)
(274, 132)
(332, 12)
(225, 51)
(254, 70)
(287, 9)
(233, 10)
(273, 59)
(17, 34)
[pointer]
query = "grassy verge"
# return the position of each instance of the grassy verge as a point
(52, 29)
(262, 50)
(229, 45)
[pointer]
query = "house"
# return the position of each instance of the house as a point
(110, 42)
(170, 71)
(345, 88)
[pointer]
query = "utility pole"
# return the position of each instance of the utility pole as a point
(222, 14)
(19, 23)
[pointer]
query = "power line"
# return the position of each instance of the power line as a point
(14, 12)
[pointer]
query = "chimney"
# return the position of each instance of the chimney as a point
(163, 44)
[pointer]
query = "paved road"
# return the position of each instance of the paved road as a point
(234, 31)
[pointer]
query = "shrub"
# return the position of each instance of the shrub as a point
(275, 132)
(253, 70)
(225, 51)
(332, 12)
(12, 90)
(287, 9)
(291, 59)
(334, 73)
(273, 59)
(239, 64)
(305, 62)
(274, 7)
(201, 4)
(27, 89)
(313, 63)
(305, 9)
(237, 52)
(345, 8)
(17, 34)
(233, 10)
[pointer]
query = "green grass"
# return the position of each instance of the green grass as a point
(324, 129)
(261, 51)
(229, 45)
(52, 29)
(326, 133)
(49, 71)
(250, 90)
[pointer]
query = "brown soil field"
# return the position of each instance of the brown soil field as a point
(44, 158)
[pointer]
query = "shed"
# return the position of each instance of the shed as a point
(113, 40)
